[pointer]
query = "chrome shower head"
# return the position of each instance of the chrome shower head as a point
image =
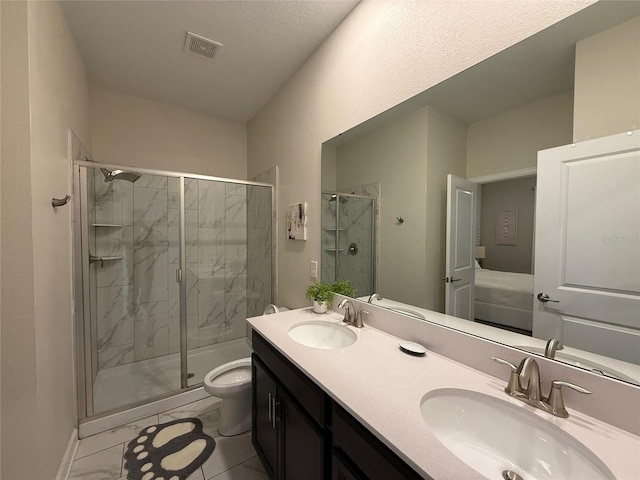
(110, 175)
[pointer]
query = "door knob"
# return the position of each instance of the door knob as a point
(451, 279)
(544, 298)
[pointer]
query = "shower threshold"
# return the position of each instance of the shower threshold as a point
(117, 387)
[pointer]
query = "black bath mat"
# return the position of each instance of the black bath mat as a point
(172, 450)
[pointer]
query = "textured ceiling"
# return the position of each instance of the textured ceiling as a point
(137, 47)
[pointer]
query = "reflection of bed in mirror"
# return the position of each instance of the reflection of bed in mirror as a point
(504, 298)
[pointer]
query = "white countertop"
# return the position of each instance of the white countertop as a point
(383, 387)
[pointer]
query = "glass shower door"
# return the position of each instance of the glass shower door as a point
(348, 240)
(168, 268)
(355, 262)
(228, 268)
(131, 249)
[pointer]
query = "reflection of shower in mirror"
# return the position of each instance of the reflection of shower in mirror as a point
(343, 199)
(110, 175)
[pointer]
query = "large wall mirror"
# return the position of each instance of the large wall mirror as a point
(384, 186)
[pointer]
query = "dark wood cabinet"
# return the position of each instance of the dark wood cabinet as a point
(264, 433)
(365, 455)
(343, 469)
(302, 443)
(287, 417)
(301, 434)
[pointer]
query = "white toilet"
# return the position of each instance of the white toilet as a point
(232, 383)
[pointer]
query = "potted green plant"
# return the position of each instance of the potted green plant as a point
(321, 294)
(343, 287)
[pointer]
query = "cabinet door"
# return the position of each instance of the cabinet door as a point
(365, 452)
(342, 471)
(264, 426)
(303, 446)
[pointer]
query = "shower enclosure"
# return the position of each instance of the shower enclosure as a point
(168, 266)
(349, 240)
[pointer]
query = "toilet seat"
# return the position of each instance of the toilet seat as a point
(230, 378)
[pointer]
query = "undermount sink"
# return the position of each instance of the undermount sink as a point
(324, 335)
(499, 439)
(407, 311)
(582, 363)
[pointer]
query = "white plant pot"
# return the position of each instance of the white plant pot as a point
(319, 307)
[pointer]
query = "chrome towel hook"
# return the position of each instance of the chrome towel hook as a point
(59, 202)
(400, 220)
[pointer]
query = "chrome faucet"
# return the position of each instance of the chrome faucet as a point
(529, 371)
(374, 296)
(551, 347)
(351, 314)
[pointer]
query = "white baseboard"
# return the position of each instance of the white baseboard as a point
(69, 454)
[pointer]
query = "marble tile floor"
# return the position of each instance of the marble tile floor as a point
(99, 457)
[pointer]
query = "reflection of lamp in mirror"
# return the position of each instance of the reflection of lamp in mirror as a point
(480, 252)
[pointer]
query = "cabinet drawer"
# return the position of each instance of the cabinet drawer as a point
(366, 451)
(300, 387)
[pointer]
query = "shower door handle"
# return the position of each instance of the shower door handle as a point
(179, 275)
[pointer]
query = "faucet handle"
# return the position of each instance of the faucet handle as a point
(513, 385)
(505, 362)
(555, 400)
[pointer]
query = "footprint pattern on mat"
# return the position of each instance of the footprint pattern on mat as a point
(169, 451)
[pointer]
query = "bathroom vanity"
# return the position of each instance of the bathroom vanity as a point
(300, 432)
(354, 412)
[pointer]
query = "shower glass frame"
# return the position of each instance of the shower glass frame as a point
(374, 227)
(81, 263)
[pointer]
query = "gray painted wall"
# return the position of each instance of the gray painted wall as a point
(516, 194)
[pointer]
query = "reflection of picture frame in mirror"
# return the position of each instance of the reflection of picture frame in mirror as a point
(297, 221)
(507, 227)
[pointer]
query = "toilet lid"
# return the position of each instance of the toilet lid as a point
(233, 376)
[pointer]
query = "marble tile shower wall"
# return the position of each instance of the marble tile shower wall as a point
(356, 226)
(259, 244)
(137, 296)
(328, 254)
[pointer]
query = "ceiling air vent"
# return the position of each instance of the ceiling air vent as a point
(201, 45)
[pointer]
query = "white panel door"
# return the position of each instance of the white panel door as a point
(460, 264)
(588, 246)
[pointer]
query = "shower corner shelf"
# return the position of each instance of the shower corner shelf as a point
(114, 225)
(334, 229)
